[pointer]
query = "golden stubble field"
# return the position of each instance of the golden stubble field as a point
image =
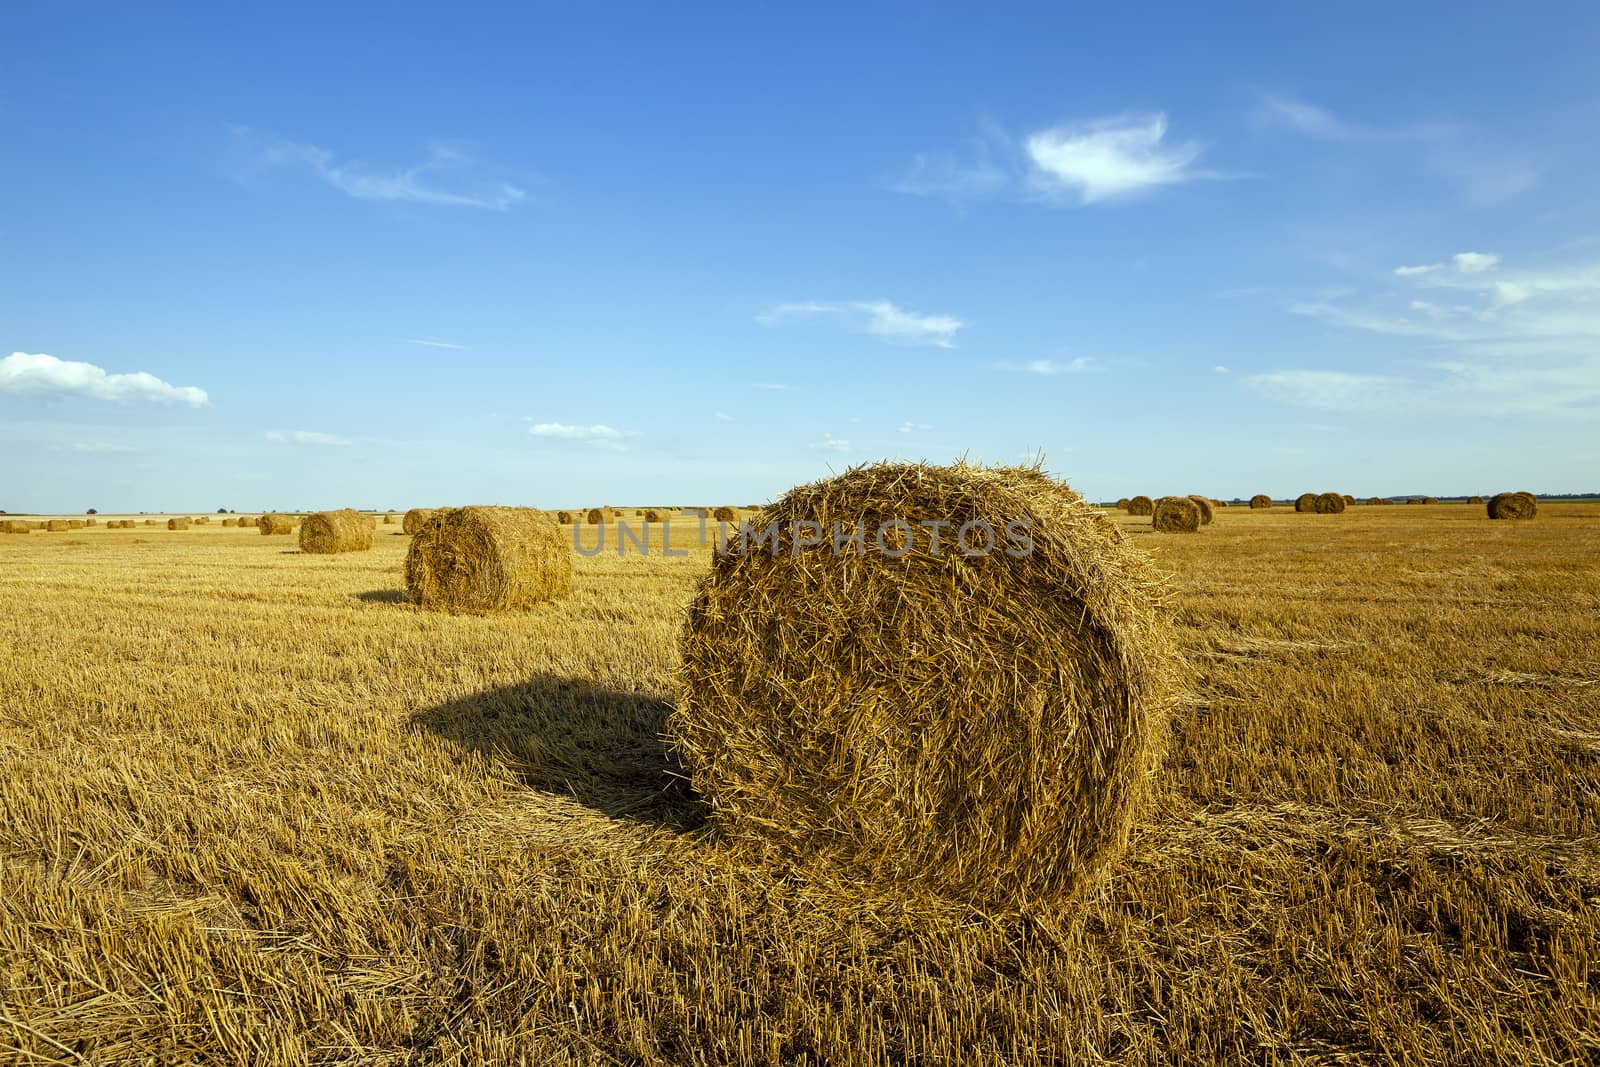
(255, 808)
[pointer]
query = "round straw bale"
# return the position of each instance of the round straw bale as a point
(370, 520)
(1140, 505)
(1204, 504)
(1306, 502)
(16, 526)
(1513, 506)
(328, 532)
(481, 559)
(652, 515)
(275, 524)
(1177, 514)
(74, 524)
(1430, 500)
(979, 726)
(1122, 502)
(230, 522)
(1474, 499)
(91, 522)
(178, 523)
(564, 517)
(58, 525)
(1260, 500)
(1375, 500)
(388, 520)
(1329, 504)
(725, 515)
(599, 516)
(414, 519)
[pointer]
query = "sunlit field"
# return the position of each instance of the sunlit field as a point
(257, 808)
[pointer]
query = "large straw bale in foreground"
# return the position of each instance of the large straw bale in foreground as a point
(1141, 505)
(1177, 514)
(1513, 506)
(328, 532)
(983, 727)
(275, 524)
(480, 559)
(1260, 501)
(414, 519)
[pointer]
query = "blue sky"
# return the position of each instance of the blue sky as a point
(417, 255)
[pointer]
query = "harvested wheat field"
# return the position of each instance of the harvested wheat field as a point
(258, 808)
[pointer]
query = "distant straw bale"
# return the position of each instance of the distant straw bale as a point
(414, 519)
(1141, 505)
(1260, 500)
(1474, 499)
(1349, 500)
(833, 714)
(1329, 504)
(1204, 504)
(230, 522)
(1176, 514)
(1513, 506)
(328, 532)
(1306, 503)
(652, 515)
(1375, 500)
(599, 516)
(483, 559)
(1122, 503)
(179, 523)
(388, 520)
(16, 526)
(1430, 500)
(565, 517)
(725, 515)
(58, 525)
(275, 524)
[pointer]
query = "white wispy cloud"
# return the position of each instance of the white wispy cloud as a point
(1113, 157)
(1049, 367)
(1329, 390)
(1220, 369)
(307, 437)
(722, 416)
(1474, 262)
(1082, 161)
(1496, 341)
(448, 176)
(1461, 154)
(101, 448)
(428, 342)
(878, 318)
(41, 375)
(830, 443)
(1425, 268)
(953, 178)
(913, 427)
(595, 436)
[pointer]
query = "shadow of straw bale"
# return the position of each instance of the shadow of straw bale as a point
(599, 746)
(382, 596)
